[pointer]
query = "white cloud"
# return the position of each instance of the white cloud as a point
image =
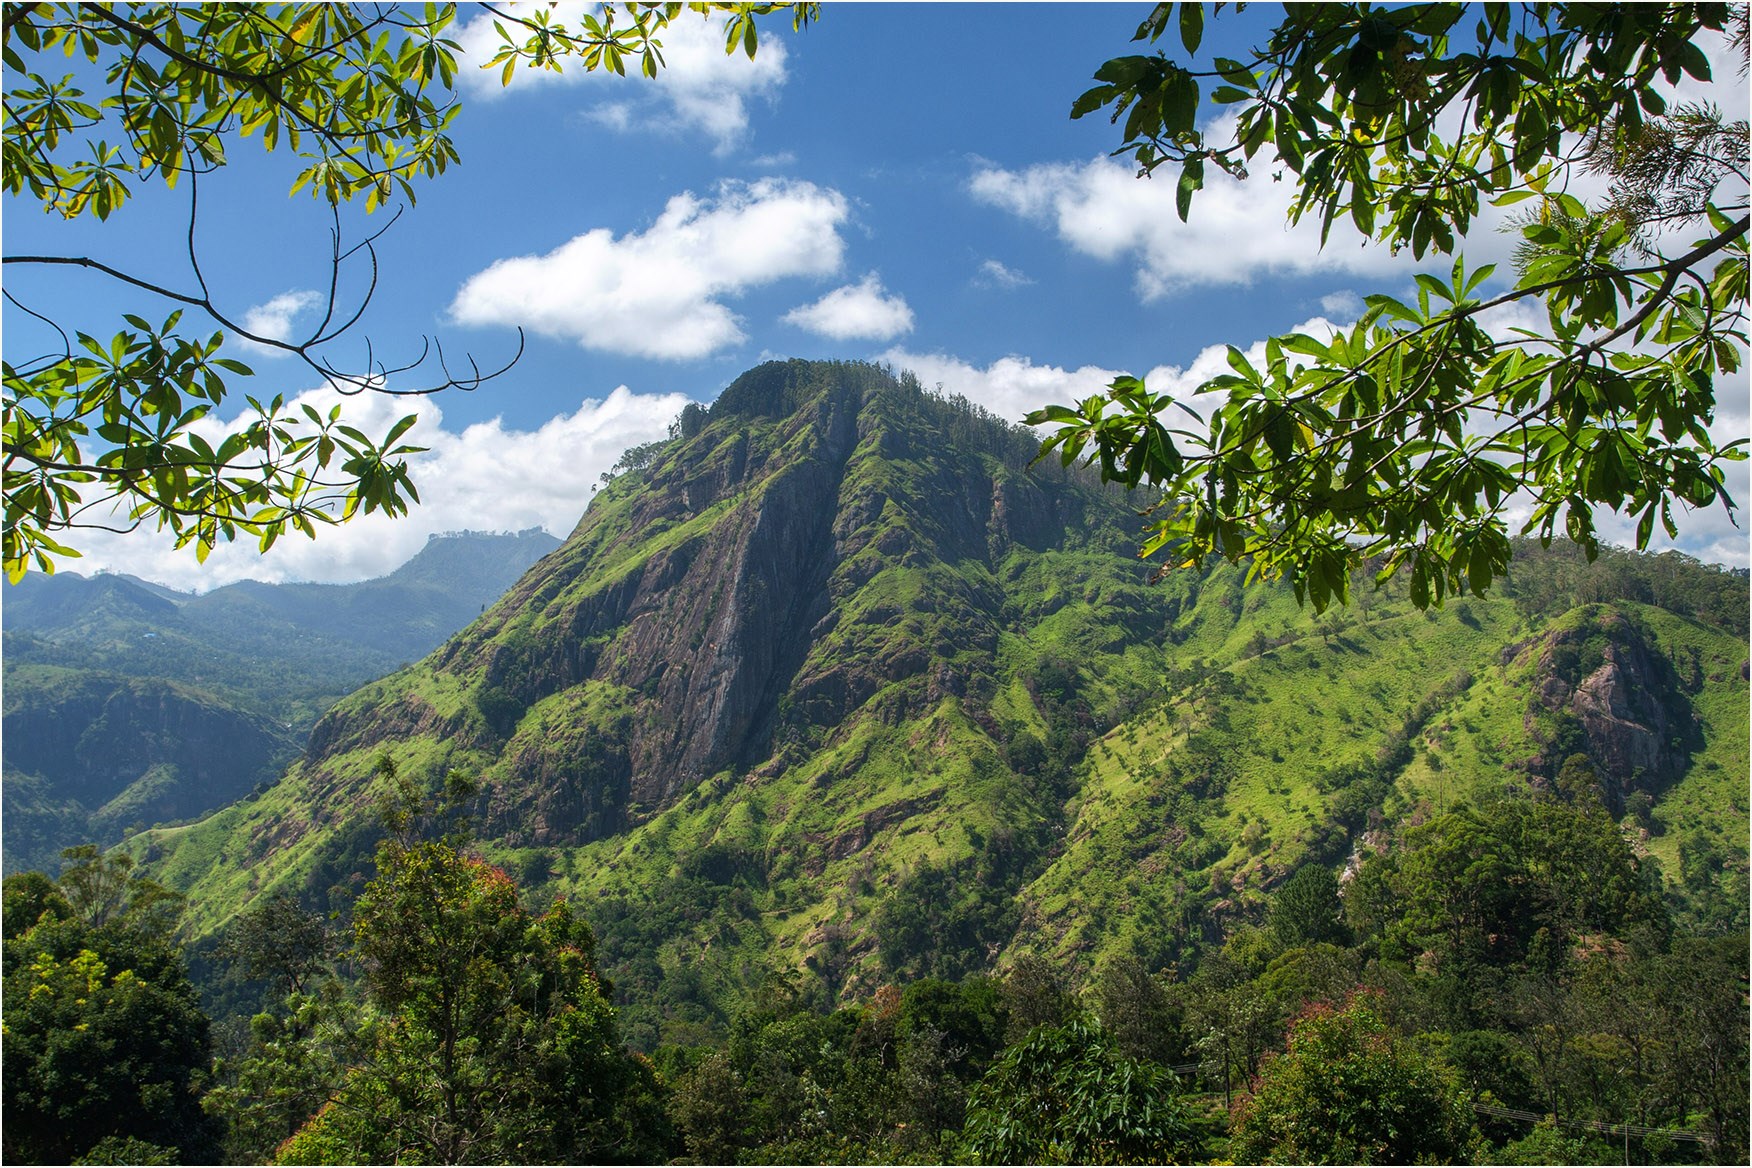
(854, 312)
(699, 88)
(1010, 386)
(1014, 386)
(997, 274)
(1342, 304)
(616, 115)
(1238, 230)
(274, 320)
(660, 293)
(485, 477)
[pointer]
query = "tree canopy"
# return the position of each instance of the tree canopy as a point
(1347, 1090)
(494, 1040)
(104, 1036)
(103, 430)
(1419, 435)
(1063, 1095)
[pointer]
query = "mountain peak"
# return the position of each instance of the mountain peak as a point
(781, 388)
(825, 544)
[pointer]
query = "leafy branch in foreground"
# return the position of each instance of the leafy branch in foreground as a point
(117, 432)
(1419, 435)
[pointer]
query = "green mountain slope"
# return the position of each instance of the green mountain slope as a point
(833, 689)
(90, 756)
(129, 704)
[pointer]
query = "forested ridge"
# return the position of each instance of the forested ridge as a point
(1492, 964)
(129, 705)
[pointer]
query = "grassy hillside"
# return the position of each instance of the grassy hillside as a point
(833, 689)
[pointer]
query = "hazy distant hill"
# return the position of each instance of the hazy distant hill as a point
(834, 686)
(128, 703)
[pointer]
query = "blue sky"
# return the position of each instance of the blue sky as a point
(897, 182)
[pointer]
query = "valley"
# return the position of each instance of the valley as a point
(130, 705)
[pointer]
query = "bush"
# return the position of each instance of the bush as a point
(1350, 1091)
(1067, 1096)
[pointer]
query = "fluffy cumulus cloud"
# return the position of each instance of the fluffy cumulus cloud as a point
(700, 88)
(1237, 232)
(861, 311)
(483, 477)
(661, 292)
(274, 320)
(1344, 303)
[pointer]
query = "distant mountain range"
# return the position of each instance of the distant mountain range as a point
(129, 704)
(836, 685)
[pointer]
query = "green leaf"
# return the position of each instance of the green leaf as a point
(1191, 179)
(1125, 72)
(1093, 99)
(401, 427)
(1191, 26)
(1236, 74)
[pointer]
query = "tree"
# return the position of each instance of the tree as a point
(100, 889)
(103, 431)
(1066, 1096)
(1414, 435)
(1702, 1000)
(297, 1054)
(105, 1041)
(29, 897)
(1307, 908)
(1350, 1091)
(296, 1060)
(1137, 1011)
(497, 1043)
(277, 941)
(1034, 995)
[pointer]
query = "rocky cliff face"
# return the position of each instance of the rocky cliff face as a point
(1631, 705)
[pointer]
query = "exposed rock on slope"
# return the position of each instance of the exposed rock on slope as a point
(759, 584)
(1636, 724)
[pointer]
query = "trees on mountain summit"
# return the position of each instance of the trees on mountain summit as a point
(1420, 434)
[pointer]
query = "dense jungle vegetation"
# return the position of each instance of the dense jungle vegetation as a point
(1500, 962)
